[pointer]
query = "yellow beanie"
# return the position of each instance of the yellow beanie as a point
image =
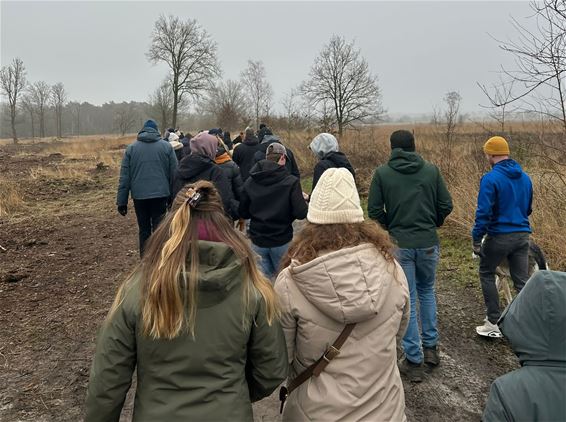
(496, 145)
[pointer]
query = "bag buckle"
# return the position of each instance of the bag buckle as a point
(330, 354)
(283, 394)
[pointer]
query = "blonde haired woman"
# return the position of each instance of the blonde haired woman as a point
(198, 320)
(340, 271)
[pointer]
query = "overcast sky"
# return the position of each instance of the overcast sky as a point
(418, 50)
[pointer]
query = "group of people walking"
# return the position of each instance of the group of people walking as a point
(215, 318)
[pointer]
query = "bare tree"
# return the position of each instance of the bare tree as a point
(190, 54)
(161, 104)
(13, 80)
(258, 89)
(75, 107)
(340, 77)
(540, 60)
(291, 107)
(227, 103)
(446, 121)
(125, 118)
(29, 106)
(40, 92)
(58, 100)
(500, 94)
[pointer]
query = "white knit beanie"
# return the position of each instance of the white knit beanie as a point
(335, 199)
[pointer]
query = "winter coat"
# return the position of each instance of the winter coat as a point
(535, 325)
(232, 172)
(335, 159)
(408, 197)
(186, 145)
(244, 155)
(504, 201)
(147, 169)
(214, 376)
(272, 199)
(290, 163)
(352, 285)
(200, 167)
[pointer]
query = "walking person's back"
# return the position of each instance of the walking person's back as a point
(147, 172)
(196, 320)
(272, 199)
(268, 139)
(244, 155)
(408, 197)
(502, 215)
(200, 165)
(341, 270)
(325, 147)
(535, 325)
(232, 172)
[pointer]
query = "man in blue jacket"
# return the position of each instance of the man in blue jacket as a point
(147, 171)
(502, 215)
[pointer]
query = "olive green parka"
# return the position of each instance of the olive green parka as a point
(214, 376)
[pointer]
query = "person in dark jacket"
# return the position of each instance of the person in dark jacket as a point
(244, 155)
(197, 321)
(227, 140)
(504, 204)
(272, 199)
(268, 139)
(200, 165)
(147, 171)
(325, 147)
(408, 197)
(232, 172)
(262, 131)
(186, 141)
(535, 325)
(238, 139)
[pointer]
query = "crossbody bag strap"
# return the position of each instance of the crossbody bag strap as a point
(317, 367)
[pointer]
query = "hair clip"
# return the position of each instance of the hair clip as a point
(193, 198)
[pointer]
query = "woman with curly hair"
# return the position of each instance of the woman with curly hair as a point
(341, 286)
(196, 318)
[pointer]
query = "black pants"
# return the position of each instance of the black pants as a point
(514, 247)
(149, 213)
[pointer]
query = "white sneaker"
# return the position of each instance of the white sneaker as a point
(489, 330)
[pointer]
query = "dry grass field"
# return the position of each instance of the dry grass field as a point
(64, 249)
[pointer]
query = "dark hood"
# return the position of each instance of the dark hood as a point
(405, 162)
(509, 168)
(193, 165)
(149, 134)
(535, 322)
(251, 140)
(267, 172)
(338, 159)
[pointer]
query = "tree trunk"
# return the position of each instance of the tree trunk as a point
(175, 99)
(32, 125)
(41, 124)
(13, 123)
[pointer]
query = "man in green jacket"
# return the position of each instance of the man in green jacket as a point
(408, 197)
(535, 325)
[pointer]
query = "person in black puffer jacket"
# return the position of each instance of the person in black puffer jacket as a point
(244, 155)
(325, 147)
(269, 138)
(200, 165)
(232, 172)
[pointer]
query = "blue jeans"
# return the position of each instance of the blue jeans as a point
(419, 266)
(270, 258)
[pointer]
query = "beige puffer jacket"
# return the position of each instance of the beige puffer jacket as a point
(318, 299)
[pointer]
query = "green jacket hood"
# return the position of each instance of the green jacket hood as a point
(219, 272)
(405, 162)
(535, 322)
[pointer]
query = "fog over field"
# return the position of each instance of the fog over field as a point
(418, 50)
